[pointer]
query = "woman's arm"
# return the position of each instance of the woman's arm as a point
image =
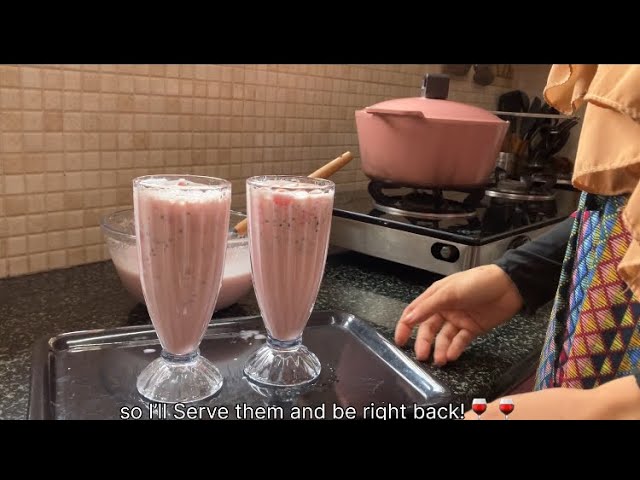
(618, 399)
(535, 266)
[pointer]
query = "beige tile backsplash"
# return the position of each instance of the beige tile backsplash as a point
(72, 137)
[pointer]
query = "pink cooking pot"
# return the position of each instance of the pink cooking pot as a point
(429, 141)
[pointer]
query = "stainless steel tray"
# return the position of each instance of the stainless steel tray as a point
(92, 374)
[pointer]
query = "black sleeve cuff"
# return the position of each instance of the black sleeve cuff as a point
(535, 267)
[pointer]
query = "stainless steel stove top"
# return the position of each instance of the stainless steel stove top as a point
(451, 231)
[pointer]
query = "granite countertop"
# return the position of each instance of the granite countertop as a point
(91, 296)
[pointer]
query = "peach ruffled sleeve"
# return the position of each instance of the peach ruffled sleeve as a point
(608, 156)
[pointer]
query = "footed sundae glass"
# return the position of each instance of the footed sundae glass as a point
(289, 223)
(182, 225)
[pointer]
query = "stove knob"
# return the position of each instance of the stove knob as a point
(518, 242)
(446, 252)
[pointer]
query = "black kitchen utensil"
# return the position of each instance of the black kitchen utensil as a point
(559, 141)
(483, 75)
(526, 103)
(511, 101)
(560, 136)
(530, 122)
(539, 144)
(521, 128)
(567, 124)
(549, 110)
(547, 141)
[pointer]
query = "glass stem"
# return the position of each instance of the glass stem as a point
(186, 358)
(283, 344)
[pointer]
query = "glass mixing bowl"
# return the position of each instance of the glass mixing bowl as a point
(119, 233)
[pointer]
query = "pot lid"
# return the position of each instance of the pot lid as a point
(433, 104)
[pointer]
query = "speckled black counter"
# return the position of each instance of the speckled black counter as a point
(91, 296)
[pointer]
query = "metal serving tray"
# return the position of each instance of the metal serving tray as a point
(92, 374)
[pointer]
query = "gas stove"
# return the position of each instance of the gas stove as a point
(446, 231)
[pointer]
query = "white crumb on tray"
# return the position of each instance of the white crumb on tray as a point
(247, 334)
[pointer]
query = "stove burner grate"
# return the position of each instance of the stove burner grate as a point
(421, 204)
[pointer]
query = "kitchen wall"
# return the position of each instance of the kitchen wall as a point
(531, 78)
(72, 137)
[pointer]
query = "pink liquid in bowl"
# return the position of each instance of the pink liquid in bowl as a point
(236, 280)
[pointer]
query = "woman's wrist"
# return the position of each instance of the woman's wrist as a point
(512, 292)
(617, 400)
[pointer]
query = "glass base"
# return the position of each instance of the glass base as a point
(179, 379)
(283, 364)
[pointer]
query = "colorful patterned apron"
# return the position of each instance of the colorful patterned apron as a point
(594, 333)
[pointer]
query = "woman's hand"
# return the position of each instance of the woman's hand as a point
(457, 309)
(615, 400)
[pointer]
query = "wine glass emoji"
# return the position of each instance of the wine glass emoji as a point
(506, 407)
(479, 406)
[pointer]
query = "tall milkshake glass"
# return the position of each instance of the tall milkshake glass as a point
(289, 221)
(181, 225)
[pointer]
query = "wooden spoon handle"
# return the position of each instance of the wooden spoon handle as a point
(333, 166)
(325, 171)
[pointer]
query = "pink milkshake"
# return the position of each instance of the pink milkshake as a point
(289, 222)
(181, 226)
(119, 230)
